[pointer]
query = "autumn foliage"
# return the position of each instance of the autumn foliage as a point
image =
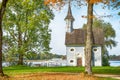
(55, 1)
(51, 1)
(46, 2)
(94, 1)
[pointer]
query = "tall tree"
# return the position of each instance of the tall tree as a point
(89, 42)
(2, 11)
(27, 28)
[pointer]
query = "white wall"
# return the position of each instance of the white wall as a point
(79, 52)
(73, 55)
(97, 56)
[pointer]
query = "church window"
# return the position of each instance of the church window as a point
(71, 61)
(72, 49)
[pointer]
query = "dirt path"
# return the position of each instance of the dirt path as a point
(108, 75)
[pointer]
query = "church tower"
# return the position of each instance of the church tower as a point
(69, 19)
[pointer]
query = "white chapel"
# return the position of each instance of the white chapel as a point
(75, 43)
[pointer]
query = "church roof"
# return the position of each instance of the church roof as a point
(69, 14)
(78, 37)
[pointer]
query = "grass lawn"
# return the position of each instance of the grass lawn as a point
(26, 69)
(21, 70)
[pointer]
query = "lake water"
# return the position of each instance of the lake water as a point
(114, 63)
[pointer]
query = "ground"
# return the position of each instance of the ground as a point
(108, 75)
(51, 76)
(59, 76)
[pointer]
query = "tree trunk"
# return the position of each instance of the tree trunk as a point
(1, 71)
(2, 10)
(20, 62)
(88, 47)
(20, 41)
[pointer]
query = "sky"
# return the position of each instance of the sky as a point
(58, 26)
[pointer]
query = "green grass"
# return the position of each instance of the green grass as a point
(14, 70)
(106, 70)
(26, 69)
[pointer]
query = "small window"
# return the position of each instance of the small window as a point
(72, 49)
(71, 61)
(95, 49)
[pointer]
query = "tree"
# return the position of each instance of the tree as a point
(109, 35)
(89, 42)
(26, 27)
(88, 47)
(2, 11)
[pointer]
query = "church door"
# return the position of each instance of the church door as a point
(79, 61)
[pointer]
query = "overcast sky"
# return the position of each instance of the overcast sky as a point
(58, 26)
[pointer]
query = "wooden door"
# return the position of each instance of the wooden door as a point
(79, 61)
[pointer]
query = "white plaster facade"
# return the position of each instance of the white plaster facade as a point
(75, 52)
(75, 41)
